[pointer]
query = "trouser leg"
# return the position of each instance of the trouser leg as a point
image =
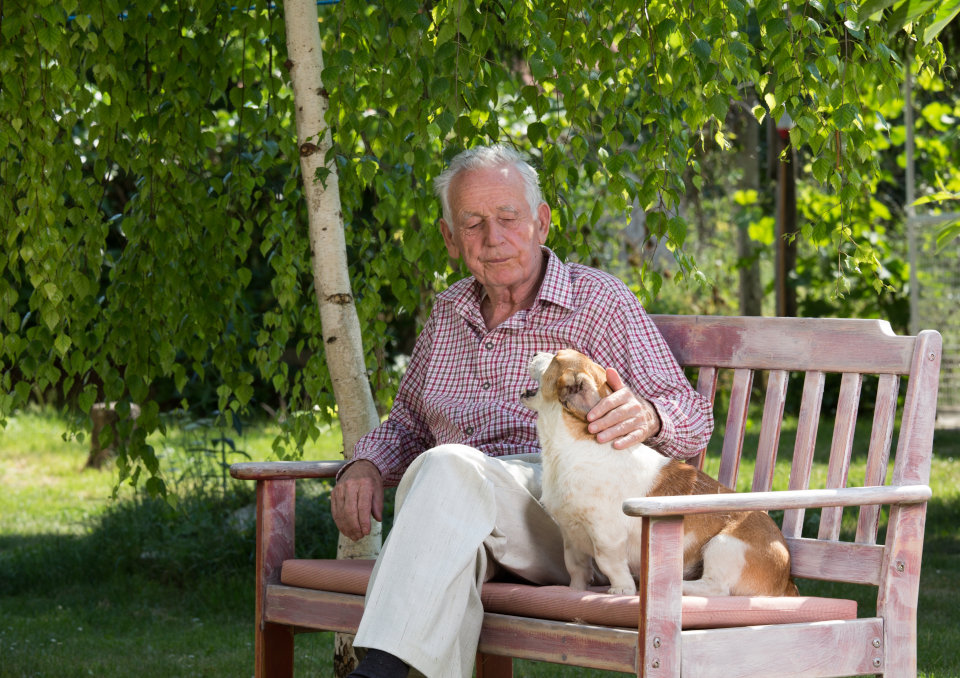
(458, 512)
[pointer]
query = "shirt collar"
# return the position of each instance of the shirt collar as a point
(556, 287)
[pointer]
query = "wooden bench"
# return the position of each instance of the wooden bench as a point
(837, 542)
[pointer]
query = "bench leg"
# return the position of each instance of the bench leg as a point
(274, 652)
(276, 517)
(494, 666)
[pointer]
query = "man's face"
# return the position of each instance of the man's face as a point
(493, 230)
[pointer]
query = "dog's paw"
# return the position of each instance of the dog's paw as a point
(622, 590)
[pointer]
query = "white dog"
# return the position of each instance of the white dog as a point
(585, 483)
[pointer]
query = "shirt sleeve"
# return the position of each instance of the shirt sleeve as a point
(398, 440)
(638, 352)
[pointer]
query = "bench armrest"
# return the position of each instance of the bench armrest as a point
(285, 470)
(784, 499)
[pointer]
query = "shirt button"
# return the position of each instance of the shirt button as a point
(486, 386)
(488, 346)
(468, 430)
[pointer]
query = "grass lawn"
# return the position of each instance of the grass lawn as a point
(94, 586)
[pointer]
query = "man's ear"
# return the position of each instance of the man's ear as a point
(453, 249)
(543, 227)
(578, 394)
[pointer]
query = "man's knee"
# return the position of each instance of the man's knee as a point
(458, 468)
(452, 456)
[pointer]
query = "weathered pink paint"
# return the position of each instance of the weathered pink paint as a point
(885, 644)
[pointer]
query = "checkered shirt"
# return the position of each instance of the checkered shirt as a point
(463, 382)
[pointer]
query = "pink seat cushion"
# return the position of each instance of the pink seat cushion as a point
(561, 603)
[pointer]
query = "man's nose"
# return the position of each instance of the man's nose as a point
(493, 232)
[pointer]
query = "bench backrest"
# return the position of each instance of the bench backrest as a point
(801, 353)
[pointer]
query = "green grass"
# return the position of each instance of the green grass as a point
(91, 585)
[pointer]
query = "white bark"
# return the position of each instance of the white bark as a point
(338, 313)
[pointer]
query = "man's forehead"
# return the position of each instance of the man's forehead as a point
(496, 178)
(468, 212)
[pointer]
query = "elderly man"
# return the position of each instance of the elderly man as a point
(459, 442)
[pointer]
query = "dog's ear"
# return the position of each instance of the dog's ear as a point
(578, 393)
(605, 389)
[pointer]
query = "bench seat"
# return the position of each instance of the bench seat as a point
(561, 603)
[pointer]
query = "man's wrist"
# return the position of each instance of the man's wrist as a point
(353, 462)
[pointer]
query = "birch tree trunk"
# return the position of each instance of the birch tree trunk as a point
(338, 313)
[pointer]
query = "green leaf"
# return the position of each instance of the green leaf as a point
(367, 170)
(844, 116)
(947, 234)
(701, 49)
(87, 398)
(946, 13)
(821, 169)
(49, 37)
(540, 70)
(446, 33)
(113, 36)
(537, 133)
(871, 7)
(62, 343)
(243, 276)
(243, 393)
(155, 487)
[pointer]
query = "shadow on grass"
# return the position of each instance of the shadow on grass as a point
(203, 536)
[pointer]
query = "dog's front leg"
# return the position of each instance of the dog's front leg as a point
(612, 561)
(579, 566)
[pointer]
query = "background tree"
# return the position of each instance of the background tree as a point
(153, 222)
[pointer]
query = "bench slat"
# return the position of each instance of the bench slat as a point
(707, 387)
(804, 447)
(309, 608)
(770, 430)
(796, 344)
(552, 641)
(841, 450)
(774, 649)
(835, 561)
(737, 414)
(881, 438)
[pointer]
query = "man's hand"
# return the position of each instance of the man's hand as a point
(622, 417)
(357, 495)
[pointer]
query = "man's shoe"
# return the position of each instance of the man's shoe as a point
(380, 664)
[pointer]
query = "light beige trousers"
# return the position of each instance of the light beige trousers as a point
(460, 518)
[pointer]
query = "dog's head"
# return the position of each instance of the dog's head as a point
(568, 378)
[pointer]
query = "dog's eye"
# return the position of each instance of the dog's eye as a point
(529, 393)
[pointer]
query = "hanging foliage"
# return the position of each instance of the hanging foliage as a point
(154, 245)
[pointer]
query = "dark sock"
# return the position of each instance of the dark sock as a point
(380, 664)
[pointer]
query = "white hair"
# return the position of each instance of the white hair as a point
(488, 157)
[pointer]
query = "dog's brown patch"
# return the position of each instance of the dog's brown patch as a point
(679, 478)
(576, 426)
(774, 557)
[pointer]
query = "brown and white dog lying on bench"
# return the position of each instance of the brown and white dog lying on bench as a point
(585, 483)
